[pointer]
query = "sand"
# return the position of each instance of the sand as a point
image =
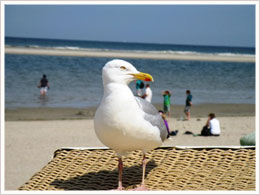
(30, 142)
(128, 54)
(201, 110)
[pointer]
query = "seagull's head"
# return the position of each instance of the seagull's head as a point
(120, 71)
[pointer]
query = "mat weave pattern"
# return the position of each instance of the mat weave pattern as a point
(167, 169)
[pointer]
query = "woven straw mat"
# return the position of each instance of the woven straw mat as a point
(167, 169)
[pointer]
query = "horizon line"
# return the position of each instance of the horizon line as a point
(127, 42)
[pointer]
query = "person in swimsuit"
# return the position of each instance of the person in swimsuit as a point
(43, 85)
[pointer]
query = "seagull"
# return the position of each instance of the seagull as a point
(124, 122)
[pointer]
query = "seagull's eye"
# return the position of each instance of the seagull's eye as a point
(122, 67)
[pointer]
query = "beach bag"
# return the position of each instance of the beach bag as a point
(188, 133)
(248, 140)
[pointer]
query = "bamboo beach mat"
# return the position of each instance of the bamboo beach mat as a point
(167, 168)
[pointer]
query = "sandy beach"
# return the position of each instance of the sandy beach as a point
(128, 54)
(48, 113)
(33, 134)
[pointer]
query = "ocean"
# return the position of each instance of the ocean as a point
(77, 82)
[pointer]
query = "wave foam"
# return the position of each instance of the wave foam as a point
(70, 48)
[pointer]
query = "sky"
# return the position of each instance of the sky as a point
(218, 25)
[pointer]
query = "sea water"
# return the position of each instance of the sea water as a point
(77, 81)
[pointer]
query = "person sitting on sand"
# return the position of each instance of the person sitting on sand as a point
(212, 127)
(170, 133)
(166, 102)
(43, 85)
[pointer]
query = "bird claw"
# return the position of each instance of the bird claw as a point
(141, 187)
(120, 188)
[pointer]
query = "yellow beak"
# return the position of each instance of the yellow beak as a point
(143, 76)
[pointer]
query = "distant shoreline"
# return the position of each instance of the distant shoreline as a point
(48, 113)
(127, 54)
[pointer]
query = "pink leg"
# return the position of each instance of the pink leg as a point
(142, 186)
(120, 172)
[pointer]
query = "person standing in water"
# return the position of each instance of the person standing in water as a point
(44, 85)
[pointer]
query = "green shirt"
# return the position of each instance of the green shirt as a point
(166, 99)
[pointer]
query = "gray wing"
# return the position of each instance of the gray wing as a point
(152, 115)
